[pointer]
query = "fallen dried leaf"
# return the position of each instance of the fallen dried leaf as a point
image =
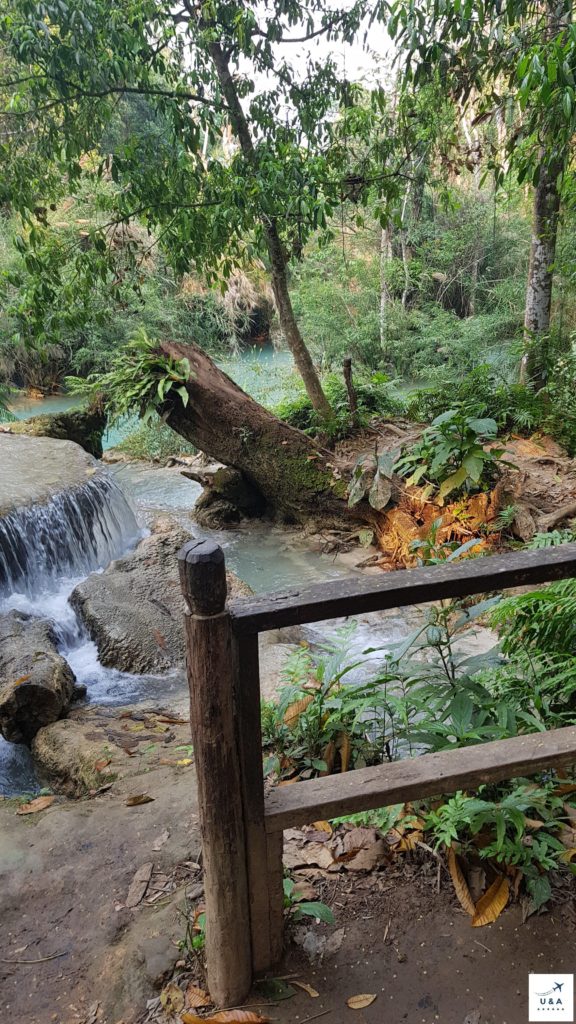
(568, 856)
(293, 712)
(161, 841)
(368, 859)
(226, 1017)
(489, 908)
(138, 799)
(39, 804)
(322, 826)
(459, 882)
(185, 761)
(307, 988)
(22, 679)
(99, 766)
(172, 998)
(360, 1002)
(197, 997)
(139, 885)
(160, 640)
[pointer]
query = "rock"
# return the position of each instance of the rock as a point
(36, 684)
(67, 752)
(83, 426)
(53, 466)
(134, 610)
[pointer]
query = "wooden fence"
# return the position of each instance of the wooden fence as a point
(242, 831)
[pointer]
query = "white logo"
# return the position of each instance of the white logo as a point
(551, 997)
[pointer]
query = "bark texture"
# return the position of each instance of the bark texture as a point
(290, 471)
(541, 269)
(276, 253)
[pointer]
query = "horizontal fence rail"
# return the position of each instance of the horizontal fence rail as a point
(242, 830)
(405, 587)
(417, 777)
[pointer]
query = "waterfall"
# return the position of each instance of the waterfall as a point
(73, 534)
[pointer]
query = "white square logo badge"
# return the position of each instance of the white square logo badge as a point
(551, 997)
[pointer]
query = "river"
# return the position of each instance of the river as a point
(267, 558)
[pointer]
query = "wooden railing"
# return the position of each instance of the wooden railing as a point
(242, 830)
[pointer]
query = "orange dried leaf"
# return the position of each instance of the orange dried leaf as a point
(99, 766)
(236, 1017)
(22, 679)
(323, 826)
(360, 1002)
(489, 908)
(460, 885)
(196, 997)
(139, 799)
(39, 804)
(307, 988)
(293, 712)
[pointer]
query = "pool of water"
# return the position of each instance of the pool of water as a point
(264, 373)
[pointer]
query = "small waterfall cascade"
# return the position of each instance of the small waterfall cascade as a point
(45, 550)
(73, 534)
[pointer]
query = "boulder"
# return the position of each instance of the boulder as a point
(134, 610)
(68, 753)
(36, 684)
(83, 426)
(34, 469)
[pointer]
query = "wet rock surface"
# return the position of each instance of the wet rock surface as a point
(134, 610)
(34, 469)
(36, 684)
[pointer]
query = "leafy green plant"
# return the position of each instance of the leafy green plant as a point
(298, 909)
(551, 539)
(432, 551)
(519, 819)
(451, 456)
(141, 379)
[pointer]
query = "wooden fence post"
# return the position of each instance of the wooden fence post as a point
(211, 667)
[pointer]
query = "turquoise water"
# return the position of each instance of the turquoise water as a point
(265, 374)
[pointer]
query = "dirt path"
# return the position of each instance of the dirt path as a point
(415, 950)
(64, 879)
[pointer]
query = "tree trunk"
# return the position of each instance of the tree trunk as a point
(276, 253)
(289, 470)
(385, 297)
(541, 271)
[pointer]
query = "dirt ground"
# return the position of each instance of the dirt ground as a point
(415, 950)
(73, 950)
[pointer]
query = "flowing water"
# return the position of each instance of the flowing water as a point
(46, 550)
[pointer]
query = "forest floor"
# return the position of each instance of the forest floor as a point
(94, 894)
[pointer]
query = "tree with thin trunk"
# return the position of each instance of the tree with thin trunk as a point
(521, 55)
(201, 66)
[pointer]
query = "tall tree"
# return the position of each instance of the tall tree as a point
(522, 51)
(201, 65)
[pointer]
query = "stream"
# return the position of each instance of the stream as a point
(265, 557)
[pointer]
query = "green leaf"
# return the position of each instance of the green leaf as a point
(452, 483)
(317, 910)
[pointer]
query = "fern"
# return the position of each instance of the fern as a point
(141, 379)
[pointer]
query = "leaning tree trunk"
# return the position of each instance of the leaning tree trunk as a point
(288, 469)
(276, 253)
(541, 270)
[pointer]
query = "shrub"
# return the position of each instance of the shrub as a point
(451, 457)
(377, 396)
